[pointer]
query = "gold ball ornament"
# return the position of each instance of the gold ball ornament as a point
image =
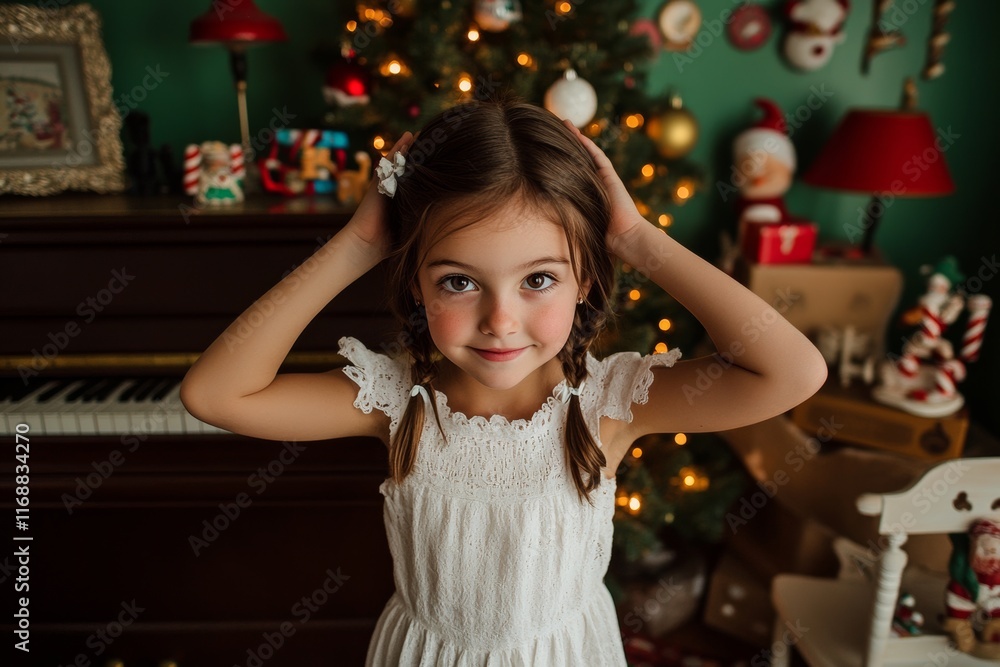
(674, 132)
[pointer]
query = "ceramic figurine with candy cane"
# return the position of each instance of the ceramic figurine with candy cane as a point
(214, 172)
(972, 599)
(922, 381)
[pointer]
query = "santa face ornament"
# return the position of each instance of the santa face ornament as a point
(815, 28)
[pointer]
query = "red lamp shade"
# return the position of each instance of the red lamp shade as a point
(883, 151)
(237, 22)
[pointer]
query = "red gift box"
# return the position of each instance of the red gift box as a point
(790, 242)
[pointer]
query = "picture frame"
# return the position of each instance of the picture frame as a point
(59, 127)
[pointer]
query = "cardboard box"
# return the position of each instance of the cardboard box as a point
(829, 294)
(739, 602)
(780, 242)
(807, 487)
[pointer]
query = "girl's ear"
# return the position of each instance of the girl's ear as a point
(585, 287)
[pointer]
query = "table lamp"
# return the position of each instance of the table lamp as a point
(238, 26)
(883, 151)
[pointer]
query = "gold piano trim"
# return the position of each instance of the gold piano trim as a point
(179, 361)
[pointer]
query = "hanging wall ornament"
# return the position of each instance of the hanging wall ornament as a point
(749, 27)
(816, 28)
(674, 132)
(572, 98)
(938, 39)
(496, 15)
(879, 38)
(679, 21)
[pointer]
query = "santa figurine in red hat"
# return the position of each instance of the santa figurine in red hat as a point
(816, 27)
(763, 166)
(972, 600)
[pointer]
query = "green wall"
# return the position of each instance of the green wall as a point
(196, 101)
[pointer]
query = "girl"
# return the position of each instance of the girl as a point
(503, 432)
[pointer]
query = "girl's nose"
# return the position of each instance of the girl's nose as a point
(498, 319)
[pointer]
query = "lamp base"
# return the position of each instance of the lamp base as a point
(252, 184)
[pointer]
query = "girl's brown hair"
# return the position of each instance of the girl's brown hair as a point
(464, 161)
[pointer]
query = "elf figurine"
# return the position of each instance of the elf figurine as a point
(972, 600)
(922, 380)
(816, 27)
(213, 173)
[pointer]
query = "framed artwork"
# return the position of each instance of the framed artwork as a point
(59, 127)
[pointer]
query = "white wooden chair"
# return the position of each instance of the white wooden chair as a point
(845, 622)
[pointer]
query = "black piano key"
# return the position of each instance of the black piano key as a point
(102, 395)
(129, 391)
(146, 389)
(77, 393)
(58, 387)
(96, 388)
(166, 388)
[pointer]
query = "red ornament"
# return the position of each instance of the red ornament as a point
(347, 83)
(749, 27)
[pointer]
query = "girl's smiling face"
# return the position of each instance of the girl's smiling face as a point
(505, 283)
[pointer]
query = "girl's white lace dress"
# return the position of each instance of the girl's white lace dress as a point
(496, 561)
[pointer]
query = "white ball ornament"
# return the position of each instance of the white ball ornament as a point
(496, 15)
(572, 98)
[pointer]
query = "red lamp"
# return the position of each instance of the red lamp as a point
(883, 151)
(237, 26)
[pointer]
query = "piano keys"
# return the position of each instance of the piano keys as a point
(98, 406)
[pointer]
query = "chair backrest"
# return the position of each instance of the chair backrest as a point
(947, 499)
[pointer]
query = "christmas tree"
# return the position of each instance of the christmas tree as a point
(397, 64)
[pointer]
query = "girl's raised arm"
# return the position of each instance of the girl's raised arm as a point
(763, 365)
(235, 383)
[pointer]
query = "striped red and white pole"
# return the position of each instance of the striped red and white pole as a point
(236, 164)
(192, 168)
(948, 374)
(979, 311)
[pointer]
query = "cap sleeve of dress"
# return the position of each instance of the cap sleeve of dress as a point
(624, 378)
(383, 381)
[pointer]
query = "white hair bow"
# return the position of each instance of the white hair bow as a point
(421, 389)
(564, 391)
(387, 173)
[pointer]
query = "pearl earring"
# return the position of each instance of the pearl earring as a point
(580, 300)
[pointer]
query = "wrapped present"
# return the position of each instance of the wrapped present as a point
(790, 242)
(304, 162)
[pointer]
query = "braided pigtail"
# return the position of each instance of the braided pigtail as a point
(403, 448)
(582, 452)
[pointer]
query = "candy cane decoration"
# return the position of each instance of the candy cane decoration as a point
(236, 163)
(192, 169)
(979, 310)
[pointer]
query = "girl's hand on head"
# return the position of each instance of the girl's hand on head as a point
(370, 221)
(624, 215)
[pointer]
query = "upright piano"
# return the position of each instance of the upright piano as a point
(152, 537)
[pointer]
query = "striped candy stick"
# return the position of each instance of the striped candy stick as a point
(979, 310)
(192, 168)
(236, 164)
